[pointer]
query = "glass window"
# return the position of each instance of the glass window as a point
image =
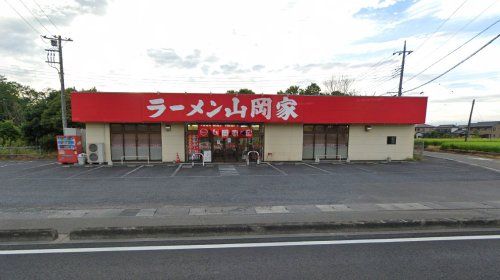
(116, 146)
(142, 146)
(155, 146)
(129, 127)
(156, 127)
(391, 140)
(308, 128)
(319, 144)
(308, 146)
(115, 127)
(331, 142)
(130, 146)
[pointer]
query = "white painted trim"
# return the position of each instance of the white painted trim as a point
(246, 245)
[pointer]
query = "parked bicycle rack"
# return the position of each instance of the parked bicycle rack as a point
(248, 157)
(202, 158)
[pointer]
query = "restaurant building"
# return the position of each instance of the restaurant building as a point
(166, 127)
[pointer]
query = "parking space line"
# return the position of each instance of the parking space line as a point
(15, 163)
(277, 169)
(39, 166)
(84, 172)
(132, 171)
(315, 167)
(176, 170)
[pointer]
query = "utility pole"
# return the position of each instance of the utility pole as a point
(404, 52)
(470, 117)
(56, 43)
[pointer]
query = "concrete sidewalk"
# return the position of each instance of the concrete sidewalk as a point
(67, 220)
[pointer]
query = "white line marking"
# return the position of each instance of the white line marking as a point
(321, 169)
(39, 166)
(176, 170)
(464, 162)
(246, 245)
(84, 172)
(132, 171)
(276, 168)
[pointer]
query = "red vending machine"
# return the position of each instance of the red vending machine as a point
(68, 148)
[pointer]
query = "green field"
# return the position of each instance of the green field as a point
(474, 144)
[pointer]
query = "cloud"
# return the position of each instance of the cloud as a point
(17, 38)
(236, 68)
(169, 57)
(211, 59)
(325, 66)
(258, 67)
(97, 7)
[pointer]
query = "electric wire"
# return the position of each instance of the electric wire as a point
(455, 66)
(46, 15)
(456, 49)
(24, 19)
(441, 25)
(34, 16)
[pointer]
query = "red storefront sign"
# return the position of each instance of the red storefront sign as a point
(252, 108)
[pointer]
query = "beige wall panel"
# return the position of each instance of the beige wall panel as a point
(172, 142)
(283, 142)
(372, 145)
(99, 133)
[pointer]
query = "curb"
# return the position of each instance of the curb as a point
(259, 229)
(28, 235)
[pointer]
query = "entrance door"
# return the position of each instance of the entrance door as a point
(228, 143)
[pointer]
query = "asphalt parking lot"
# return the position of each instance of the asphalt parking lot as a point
(46, 184)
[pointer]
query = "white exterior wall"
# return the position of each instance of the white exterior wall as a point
(283, 142)
(372, 145)
(172, 142)
(99, 133)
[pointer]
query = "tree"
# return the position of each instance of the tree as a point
(241, 91)
(312, 89)
(292, 90)
(9, 132)
(339, 85)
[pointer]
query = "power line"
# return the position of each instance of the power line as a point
(376, 65)
(455, 66)
(456, 32)
(24, 19)
(456, 49)
(34, 16)
(47, 16)
(441, 25)
(467, 24)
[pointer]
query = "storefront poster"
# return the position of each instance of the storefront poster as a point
(207, 156)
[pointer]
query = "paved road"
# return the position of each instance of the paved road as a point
(487, 163)
(442, 257)
(46, 185)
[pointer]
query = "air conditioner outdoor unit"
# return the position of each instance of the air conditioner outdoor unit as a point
(95, 153)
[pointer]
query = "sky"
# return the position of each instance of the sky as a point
(267, 46)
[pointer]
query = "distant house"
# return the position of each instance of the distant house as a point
(486, 129)
(446, 128)
(422, 129)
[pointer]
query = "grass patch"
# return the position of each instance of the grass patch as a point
(473, 144)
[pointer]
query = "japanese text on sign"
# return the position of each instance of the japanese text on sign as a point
(283, 109)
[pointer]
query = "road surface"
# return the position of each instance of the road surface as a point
(468, 256)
